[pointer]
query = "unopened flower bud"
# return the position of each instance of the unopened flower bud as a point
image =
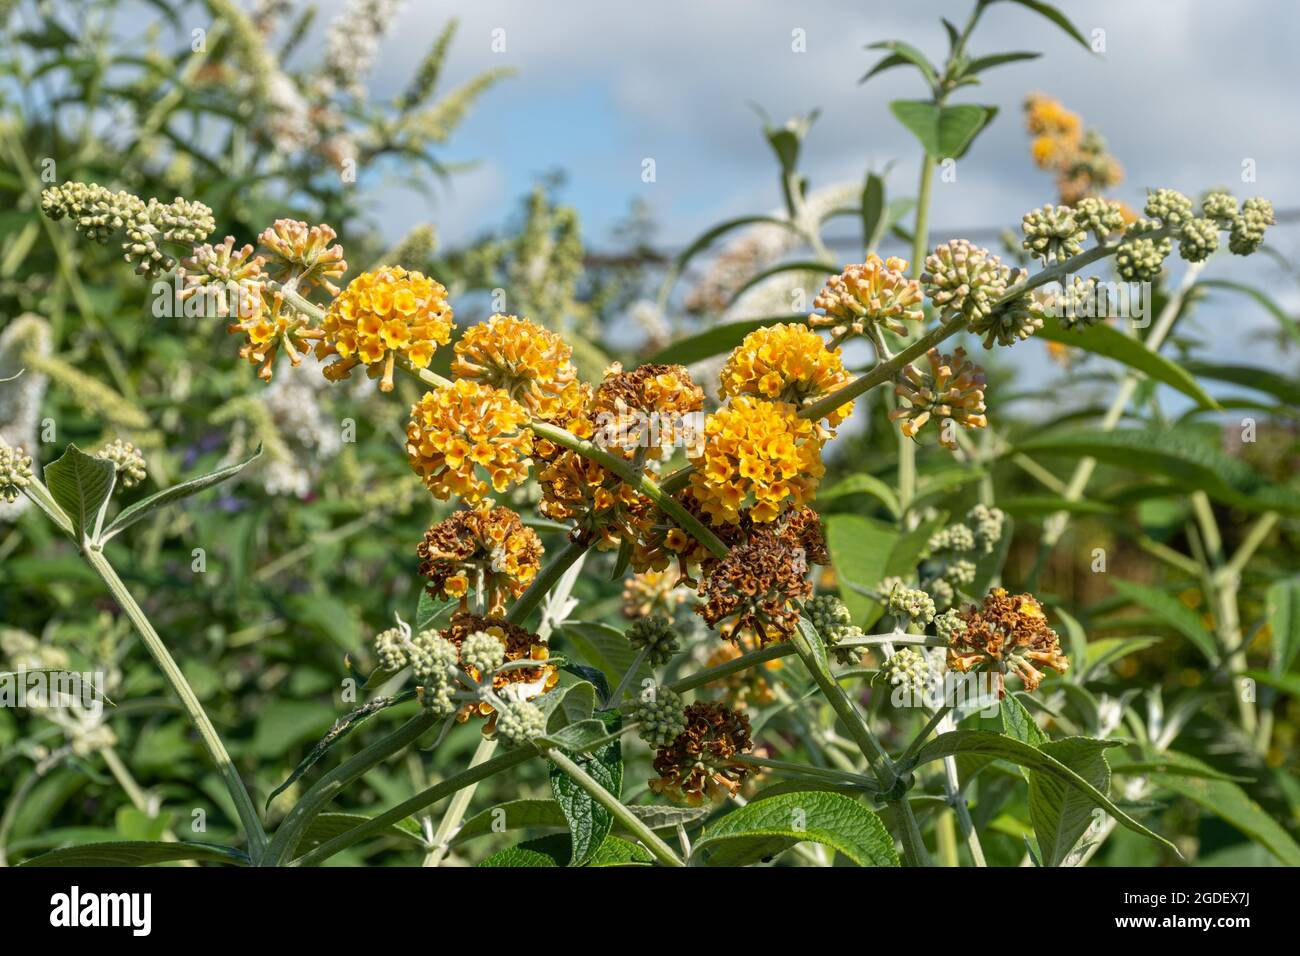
(657, 637)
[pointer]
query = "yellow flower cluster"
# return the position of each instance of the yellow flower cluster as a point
(530, 363)
(1056, 130)
(786, 363)
(605, 509)
(273, 326)
(758, 454)
(1082, 163)
(648, 410)
(381, 315)
(465, 428)
(876, 293)
(303, 253)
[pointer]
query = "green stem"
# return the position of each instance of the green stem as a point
(415, 804)
(661, 850)
(744, 662)
(616, 694)
(244, 805)
(914, 851)
(451, 820)
(329, 786)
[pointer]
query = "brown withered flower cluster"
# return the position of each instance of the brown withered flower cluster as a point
(662, 541)
(1008, 633)
(487, 544)
(698, 764)
(524, 682)
(760, 586)
(648, 411)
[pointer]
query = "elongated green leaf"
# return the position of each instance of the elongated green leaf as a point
(721, 229)
(1286, 683)
(862, 484)
(886, 63)
(944, 131)
(1038, 505)
(432, 612)
(1230, 803)
(513, 815)
(1291, 326)
(326, 826)
(81, 484)
(1282, 387)
(137, 853)
(1175, 454)
(762, 829)
(714, 340)
(1171, 762)
(1059, 812)
(1283, 603)
(1006, 748)
(589, 822)
(980, 64)
(1109, 342)
(1099, 654)
(142, 509)
(1174, 613)
(556, 851)
(1019, 723)
(873, 211)
(912, 55)
(342, 727)
(1057, 17)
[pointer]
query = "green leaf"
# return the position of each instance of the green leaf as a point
(1282, 387)
(431, 612)
(1175, 453)
(556, 851)
(1283, 604)
(1039, 505)
(862, 484)
(142, 509)
(874, 220)
(1174, 613)
(326, 826)
(606, 649)
(1109, 342)
(589, 822)
(137, 853)
(860, 550)
(1019, 723)
(980, 64)
(513, 815)
(1171, 762)
(342, 727)
(573, 704)
(1098, 654)
(714, 340)
(1288, 684)
(909, 54)
(762, 829)
(944, 131)
(1001, 747)
(1057, 17)
(1290, 325)
(1230, 803)
(581, 737)
(81, 484)
(1059, 812)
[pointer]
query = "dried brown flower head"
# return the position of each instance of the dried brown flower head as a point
(758, 586)
(698, 764)
(1008, 633)
(483, 546)
(651, 410)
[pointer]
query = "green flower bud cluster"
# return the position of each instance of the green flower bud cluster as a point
(1052, 233)
(435, 662)
(661, 716)
(98, 213)
(960, 573)
(127, 460)
(987, 523)
(1221, 207)
(964, 279)
(942, 592)
(1101, 217)
(949, 623)
(955, 537)
(909, 669)
(518, 722)
(15, 471)
(1198, 239)
(656, 636)
(912, 603)
(830, 616)
(1017, 320)
(1170, 206)
(392, 648)
(1248, 226)
(483, 652)
(1140, 257)
(1082, 303)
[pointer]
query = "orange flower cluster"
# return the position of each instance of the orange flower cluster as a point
(1080, 159)
(698, 765)
(526, 361)
(787, 363)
